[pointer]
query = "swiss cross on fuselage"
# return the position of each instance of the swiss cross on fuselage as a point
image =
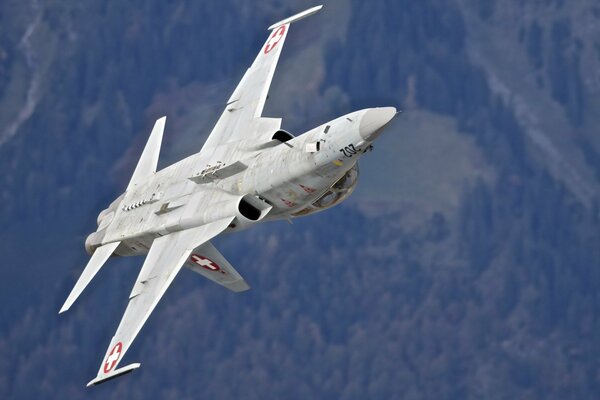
(275, 38)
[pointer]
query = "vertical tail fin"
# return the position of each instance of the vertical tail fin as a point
(207, 261)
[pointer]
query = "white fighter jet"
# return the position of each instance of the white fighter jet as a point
(248, 171)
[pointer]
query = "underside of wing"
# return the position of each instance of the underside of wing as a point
(242, 116)
(165, 258)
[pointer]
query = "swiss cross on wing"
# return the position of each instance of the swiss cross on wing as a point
(275, 38)
(113, 357)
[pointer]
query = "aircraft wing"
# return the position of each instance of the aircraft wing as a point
(165, 258)
(242, 116)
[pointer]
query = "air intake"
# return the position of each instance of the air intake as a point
(253, 208)
(282, 136)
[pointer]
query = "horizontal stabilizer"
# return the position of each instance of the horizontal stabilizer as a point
(115, 374)
(148, 161)
(93, 266)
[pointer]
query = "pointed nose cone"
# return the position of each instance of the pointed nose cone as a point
(373, 120)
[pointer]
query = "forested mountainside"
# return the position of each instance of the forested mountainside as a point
(466, 265)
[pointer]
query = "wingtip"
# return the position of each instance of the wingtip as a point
(296, 17)
(114, 374)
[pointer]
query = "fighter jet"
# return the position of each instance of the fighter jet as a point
(248, 171)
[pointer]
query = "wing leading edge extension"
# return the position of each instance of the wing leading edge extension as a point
(165, 258)
(242, 116)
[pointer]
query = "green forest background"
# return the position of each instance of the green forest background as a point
(465, 265)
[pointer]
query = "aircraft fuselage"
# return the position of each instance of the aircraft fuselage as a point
(294, 178)
(247, 171)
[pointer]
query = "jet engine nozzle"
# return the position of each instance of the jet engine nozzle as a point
(93, 241)
(89, 245)
(373, 120)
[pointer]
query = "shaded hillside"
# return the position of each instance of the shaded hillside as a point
(483, 288)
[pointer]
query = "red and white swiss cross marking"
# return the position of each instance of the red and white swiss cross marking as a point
(205, 263)
(113, 357)
(275, 38)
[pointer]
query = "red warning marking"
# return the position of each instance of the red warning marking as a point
(288, 203)
(275, 38)
(113, 357)
(205, 263)
(307, 189)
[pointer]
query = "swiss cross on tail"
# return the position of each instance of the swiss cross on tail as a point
(205, 263)
(275, 38)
